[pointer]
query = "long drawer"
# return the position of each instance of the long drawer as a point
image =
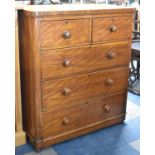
(82, 87)
(84, 59)
(111, 29)
(57, 122)
(64, 33)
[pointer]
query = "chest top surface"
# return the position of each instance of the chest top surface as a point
(72, 9)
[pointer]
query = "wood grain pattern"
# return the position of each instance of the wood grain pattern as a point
(51, 33)
(83, 87)
(30, 74)
(73, 82)
(75, 133)
(83, 59)
(81, 115)
(102, 29)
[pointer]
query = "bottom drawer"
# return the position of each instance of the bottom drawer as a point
(63, 121)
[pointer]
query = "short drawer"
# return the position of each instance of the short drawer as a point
(75, 89)
(64, 33)
(84, 59)
(63, 121)
(111, 29)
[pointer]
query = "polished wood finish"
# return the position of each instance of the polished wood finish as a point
(92, 127)
(20, 136)
(30, 74)
(70, 90)
(74, 69)
(65, 33)
(65, 120)
(84, 59)
(112, 29)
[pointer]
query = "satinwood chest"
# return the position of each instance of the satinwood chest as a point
(74, 69)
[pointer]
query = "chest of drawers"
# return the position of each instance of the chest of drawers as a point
(74, 69)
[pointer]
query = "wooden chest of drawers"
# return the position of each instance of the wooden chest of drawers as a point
(74, 69)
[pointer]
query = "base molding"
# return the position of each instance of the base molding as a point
(43, 143)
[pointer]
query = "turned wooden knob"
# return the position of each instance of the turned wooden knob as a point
(109, 81)
(66, 91)
(65, 121)
(66, 35)
(113, 28)
(111, 55)
(107, 108)
(66, 63)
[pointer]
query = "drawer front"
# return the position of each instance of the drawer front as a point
(69, 61)
(64, 33)
(82, 115)
(112, 29)
(82, 87)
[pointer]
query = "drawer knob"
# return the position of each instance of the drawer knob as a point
(111, 55)
(66, 35)
(65, 121)
(109, 81)
(113, 28)
(107, 108)
(66, 91)
(66, 63)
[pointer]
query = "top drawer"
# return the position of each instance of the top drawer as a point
(64, 33)
(111, 29)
